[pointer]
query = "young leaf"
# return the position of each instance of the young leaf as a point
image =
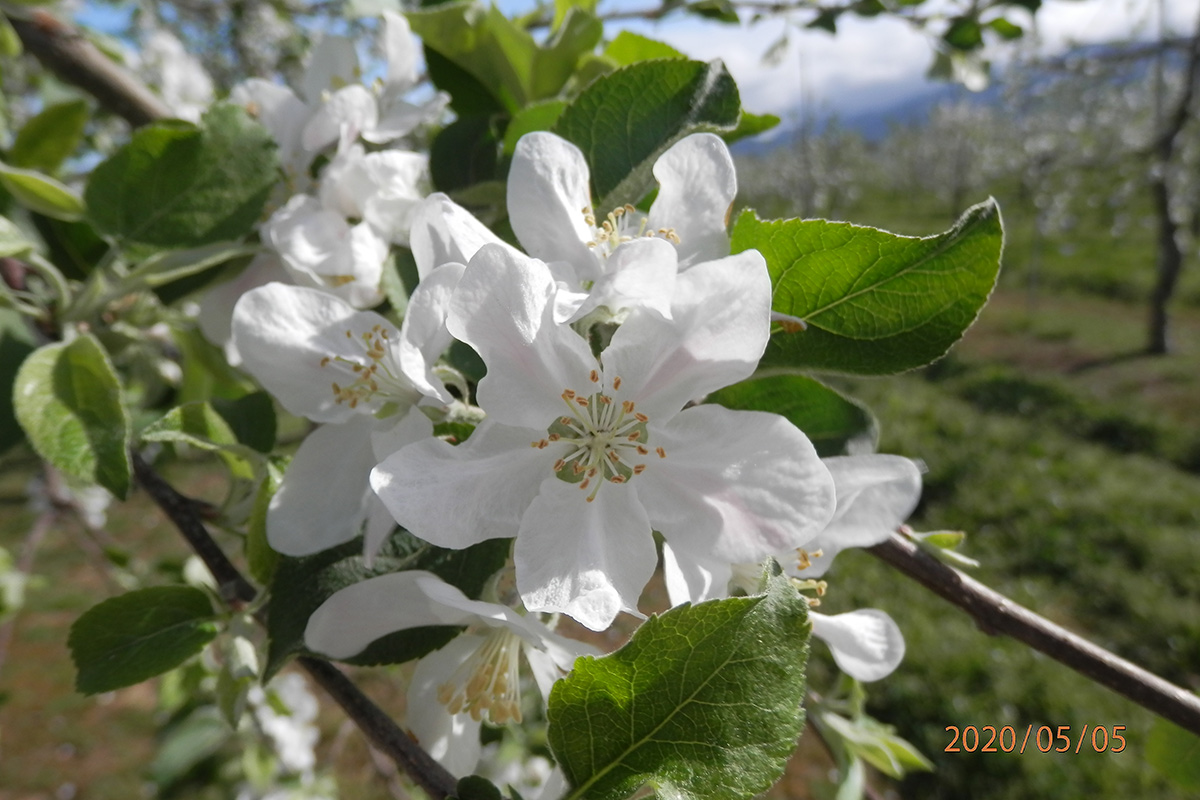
(45, 141)
(629, 47)
(179, 185)
(41, 193)
(875, 303)
(878, 745)
(830, 420)
(137, 635)
(68, 399)
(200, 426)
(626, 119)
(300, 585)
(703, 701)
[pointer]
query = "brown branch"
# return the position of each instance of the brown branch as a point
(379, 728)
(996, 614)
(66, 53)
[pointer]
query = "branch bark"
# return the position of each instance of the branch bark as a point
(66, 53)
(996, 614)
(379, 728)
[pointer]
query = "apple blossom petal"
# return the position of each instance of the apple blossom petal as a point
(399, 183)
(457, 496)
(398, 117)
(281, 112)
(867, 644)
(333, 64)
(293, 340)
(587, 560)
(443, 232)
(325, 495)
(734, 486)
(348, 112)
(216, 307)
(504, 308)
(691, 577)
(451, 739)
(639, 274)
(346, 182)
(353, 617)
(400, 50)
(424, 336)
(548, 191)
(721, 322)
(697, 184)
(411, 428)
(875, 494)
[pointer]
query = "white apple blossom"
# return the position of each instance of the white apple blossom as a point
(866, 644)
(181, 80)
(473, 678)
(355, 371)
(579, 459)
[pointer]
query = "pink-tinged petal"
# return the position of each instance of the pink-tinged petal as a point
(639, 274)
(293, 341)
(548, 191)
(451, 739)
(867, 644)
(444, 232)
(353, 617)
(875, 494)
(504, 308)
(348, 112)
(697, 183)
(457, 496)
(692, 577)
(718, 331)
(216, 307)
(587, 560)
(325, 495)
(333, 63)
(734, 486)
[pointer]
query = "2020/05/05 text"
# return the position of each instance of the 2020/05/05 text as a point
(1046, 739)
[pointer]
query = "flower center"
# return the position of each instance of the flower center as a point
(622, 224)
(487, 683)
(372, 375)
(606, 440)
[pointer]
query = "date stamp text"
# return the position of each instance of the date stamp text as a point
(1043, 738)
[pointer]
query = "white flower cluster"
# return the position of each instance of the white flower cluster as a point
(351, 187)
(583, 450)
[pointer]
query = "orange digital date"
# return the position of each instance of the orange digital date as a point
(988, 739)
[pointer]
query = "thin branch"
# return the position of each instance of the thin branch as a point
(996, 614)
(66, 53)
(379, 728)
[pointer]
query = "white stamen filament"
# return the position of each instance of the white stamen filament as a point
(487, 684)
(375, 375)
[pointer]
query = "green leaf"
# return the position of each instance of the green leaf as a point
(10, 42)
(502, 56)
(261, 559)
(169, 266)
(964, 33)
(46, 141)
(1006, 29)
(751, 125)
(629, 48)
(563, 7)
(251, 418)
(1175, 753)
(200, 735)
(177, 185)
(878, 745)
(199, 425)
(537, 117)
(718, 10)
(464, 153)
(13, 241)
(300, 585)
(875, 303)
(703, 701)
(16, 343)
(68, 400)
(41, 193)
(138, 635)
(474, 787)
(830, 420)
(626, 119)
